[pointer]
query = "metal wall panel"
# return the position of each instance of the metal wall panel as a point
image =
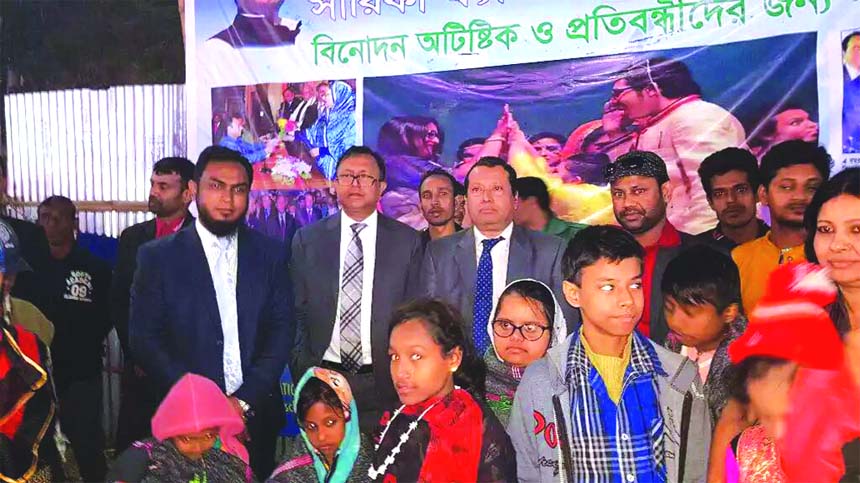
(92, 145)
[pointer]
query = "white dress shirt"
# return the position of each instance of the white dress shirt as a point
(368, 248)
(853, 73)
(224, 274)
(499, 254)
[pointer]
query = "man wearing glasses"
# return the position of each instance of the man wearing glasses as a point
(350, 271)
(665, 103)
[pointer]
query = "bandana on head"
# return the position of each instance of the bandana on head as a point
(637, 163)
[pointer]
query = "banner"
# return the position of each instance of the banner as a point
(426, 82)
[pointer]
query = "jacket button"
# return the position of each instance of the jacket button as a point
(220, 343)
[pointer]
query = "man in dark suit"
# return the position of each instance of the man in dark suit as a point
(257, 24)
(349, 272)
(169, 197)
(291, 102)
(471, 268)
(281, 225)
(215, 300)
(641, 192)
(307, 212)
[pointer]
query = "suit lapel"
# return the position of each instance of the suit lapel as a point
(520, 256)
(468, 265)
(245, 285)
(381, 291)
(149, 230)
(329, 265)
(201, 276)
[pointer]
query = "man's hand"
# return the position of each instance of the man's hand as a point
(236, 406)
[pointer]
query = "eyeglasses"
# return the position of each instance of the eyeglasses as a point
(506, 328)
(431, 135)
(363, 180)
(617, 93)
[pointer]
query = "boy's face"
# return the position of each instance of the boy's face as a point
(699, 326)
(609, 295)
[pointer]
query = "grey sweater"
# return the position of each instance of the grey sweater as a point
(543, 385)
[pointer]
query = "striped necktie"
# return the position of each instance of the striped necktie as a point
(350, 302)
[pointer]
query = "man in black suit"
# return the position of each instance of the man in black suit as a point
(215, 300)
(281, 225)
(257, 24)
(471, 268)
(307, 212)
(169, 197)
(291, 102)
(349, 273)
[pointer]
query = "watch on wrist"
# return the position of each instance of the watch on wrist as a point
(245, 406)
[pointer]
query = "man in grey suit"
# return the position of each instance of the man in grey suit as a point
(470, 269)
(350, 271)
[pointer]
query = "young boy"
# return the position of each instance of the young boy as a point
(608, 405)
(701, 299)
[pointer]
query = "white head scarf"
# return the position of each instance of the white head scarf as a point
(559, 324)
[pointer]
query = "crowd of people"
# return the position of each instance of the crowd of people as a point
(501, 343)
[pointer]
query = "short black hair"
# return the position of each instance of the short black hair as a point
(791, 153)
(530, 186)
(65, 205)
(237, 115)
(461, 149)
(673, 77)
(222, 155)
(494, 162)
(459, 189)
(846, 182)
(595, 242)
(848, 39)
(441, 173)
(175, 165)
(363, 151)
(316, 390)
(725, 160)
(701, 275)
(551, 135)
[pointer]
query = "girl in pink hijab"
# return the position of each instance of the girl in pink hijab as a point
(195, 430)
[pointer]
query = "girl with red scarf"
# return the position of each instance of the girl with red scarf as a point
(441, 433)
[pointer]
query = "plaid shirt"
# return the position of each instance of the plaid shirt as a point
(610, 443)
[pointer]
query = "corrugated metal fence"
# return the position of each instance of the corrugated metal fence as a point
(95, 147)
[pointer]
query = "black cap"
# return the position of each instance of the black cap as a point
(637, 163)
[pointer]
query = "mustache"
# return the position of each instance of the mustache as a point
(797, 206)
(632, 211)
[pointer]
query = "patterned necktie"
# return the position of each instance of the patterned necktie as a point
(225, 292)
(350, 302)
(483, 296)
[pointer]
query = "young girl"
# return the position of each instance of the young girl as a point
(334, 450)
(527, 322)
(194, 431)
(441, 433)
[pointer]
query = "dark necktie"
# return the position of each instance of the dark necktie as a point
(483, 296)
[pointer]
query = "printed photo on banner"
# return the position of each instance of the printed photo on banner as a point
(563, 121)
(851, 91)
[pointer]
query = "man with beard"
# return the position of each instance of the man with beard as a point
(215, 300)
(791, 172)
(641, 193)
(731, 180)
(169, 197)
(438, 192)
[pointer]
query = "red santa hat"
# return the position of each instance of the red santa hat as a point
(790, 321)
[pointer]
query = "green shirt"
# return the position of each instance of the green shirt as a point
(562, 229)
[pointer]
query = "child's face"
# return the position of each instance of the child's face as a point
(769, 397)
(194, 445)
(419, 368)
(699, 326)
(517, 349)
(325, 428)
(609, 296)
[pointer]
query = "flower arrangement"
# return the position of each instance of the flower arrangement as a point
(288, 168)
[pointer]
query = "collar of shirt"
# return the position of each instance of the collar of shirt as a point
(702, 360)
(346, 223)
(853, 72)
(212, 244)
(669, 237)
(480, 237)
(718, 234)
(164, 228)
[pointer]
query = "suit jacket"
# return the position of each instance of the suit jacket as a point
(450, 266)
(315, 272)
(281, 233)
(304, 219)
(130, 241)
(175, 326)
(34, 249)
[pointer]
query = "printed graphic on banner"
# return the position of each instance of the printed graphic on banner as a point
(851, 96)
(564, 121)
(293, 135)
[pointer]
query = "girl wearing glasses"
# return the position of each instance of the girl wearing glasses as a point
(527, 321)
(194, 430)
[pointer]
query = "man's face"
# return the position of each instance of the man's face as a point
(222, 196)
(609, 295)
(266, 201)
(526, 210)
(324, 96)
(437, 200)
(288, 95)
(59, 225)
(168, 195)
(790, 193)
(309, 90)
(281, 204)
(470, 154)
(639, 203)
(309, 200)
(362, 194)
(549, 148)
(237, 125)
(490, 200)
(793, 124)
(636, 104)
(852, 53)
(733, 199)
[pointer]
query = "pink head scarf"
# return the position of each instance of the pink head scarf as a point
(196, 403)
